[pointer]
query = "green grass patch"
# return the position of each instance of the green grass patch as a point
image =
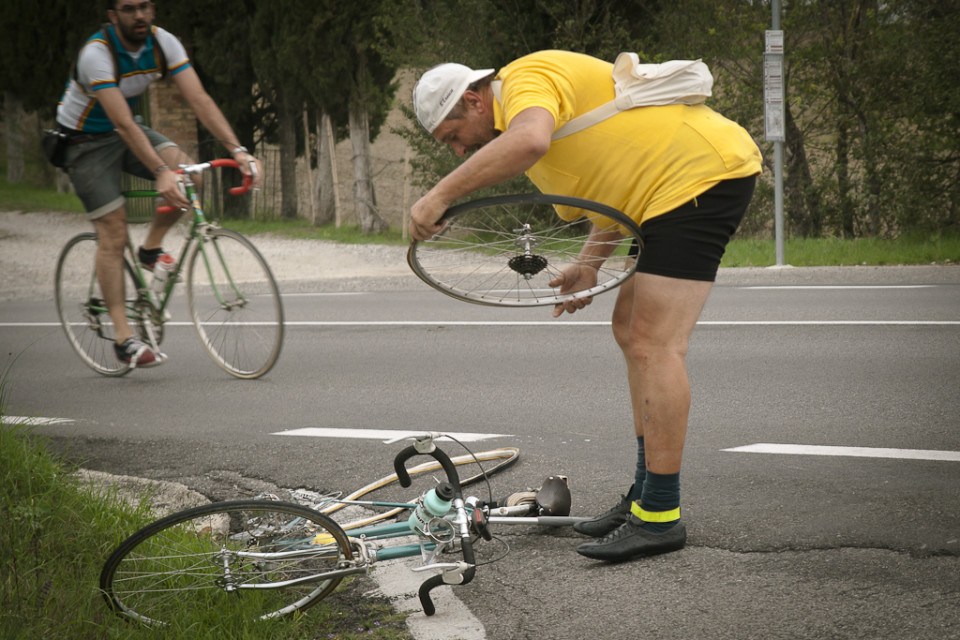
(908, 249)
(298, 229)
(56, 533)
(26, 197)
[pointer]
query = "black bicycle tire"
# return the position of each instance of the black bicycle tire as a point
(619, 218)
(85, 356)
(108, 573)
(211, 350)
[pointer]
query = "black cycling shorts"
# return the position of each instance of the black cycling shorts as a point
(689, 241)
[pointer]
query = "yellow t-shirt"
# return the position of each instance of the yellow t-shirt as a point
(645, 161)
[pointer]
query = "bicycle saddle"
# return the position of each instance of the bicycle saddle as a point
(553, 497)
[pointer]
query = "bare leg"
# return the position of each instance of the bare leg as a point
(111, 239)
(652, 322)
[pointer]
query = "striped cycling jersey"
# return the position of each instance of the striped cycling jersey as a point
(79, 108)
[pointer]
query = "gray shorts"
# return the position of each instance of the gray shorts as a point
(95, 167)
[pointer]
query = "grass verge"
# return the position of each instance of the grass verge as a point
(57, 533)
(907, 249)
(24, 196)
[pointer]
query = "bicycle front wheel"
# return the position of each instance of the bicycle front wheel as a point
(234, 303)
(81, 307)
(507, 250)
(242, 560)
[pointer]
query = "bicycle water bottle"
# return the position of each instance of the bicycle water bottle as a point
(435, 504)
(161, 273)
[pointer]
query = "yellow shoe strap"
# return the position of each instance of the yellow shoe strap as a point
(654, 516)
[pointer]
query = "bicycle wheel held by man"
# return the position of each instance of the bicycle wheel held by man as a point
(683, 172)
(102, 140)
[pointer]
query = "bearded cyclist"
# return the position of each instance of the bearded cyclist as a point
(114, 68)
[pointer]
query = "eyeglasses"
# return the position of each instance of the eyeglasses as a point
(132, 9)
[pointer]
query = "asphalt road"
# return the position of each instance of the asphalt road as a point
(798, 545)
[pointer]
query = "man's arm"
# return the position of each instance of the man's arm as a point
(525, 141)
(213, 119)
(117, 109)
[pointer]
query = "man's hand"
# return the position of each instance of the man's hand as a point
(425, 216)
(249, 166)
(170, 189)
(577, 277)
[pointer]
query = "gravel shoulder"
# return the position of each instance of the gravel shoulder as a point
(31, 242)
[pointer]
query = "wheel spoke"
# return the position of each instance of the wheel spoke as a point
(226, 559)
(235, 304)
(506, 250)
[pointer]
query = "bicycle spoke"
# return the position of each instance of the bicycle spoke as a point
(235, 304)
(83, 313)
(507, 250)
(226, 559)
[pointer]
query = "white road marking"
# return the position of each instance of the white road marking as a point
(452, 620)
(606, 323)
(325, 294)
(552, 323)
(855, 452)
(33, 421)
(841, 286)
(381, 434)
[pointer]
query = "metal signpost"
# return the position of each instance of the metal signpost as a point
(774, 116)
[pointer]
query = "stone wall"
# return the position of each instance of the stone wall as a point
(171, 115)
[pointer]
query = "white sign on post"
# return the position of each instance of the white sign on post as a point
(773, 112)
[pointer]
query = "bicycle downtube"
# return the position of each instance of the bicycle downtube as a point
(466, 542)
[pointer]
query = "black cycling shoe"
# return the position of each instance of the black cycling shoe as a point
(631, 540)
(606, 522)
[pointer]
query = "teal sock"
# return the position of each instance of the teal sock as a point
(641, 472)
(661, 495)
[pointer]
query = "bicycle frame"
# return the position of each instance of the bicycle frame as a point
(198, 229)
(229, 290)
(458, 526)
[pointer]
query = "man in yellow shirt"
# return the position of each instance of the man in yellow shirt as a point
(684, 173)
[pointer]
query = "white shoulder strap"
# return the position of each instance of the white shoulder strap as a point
(579, 123)
(586, 120)
(637, 85)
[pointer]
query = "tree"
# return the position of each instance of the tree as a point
(276, 30)
(371, 91)
(216, 34)
(37, 55)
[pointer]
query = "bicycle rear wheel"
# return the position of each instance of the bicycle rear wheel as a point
(82, 310)
(247, 559)
(505, 250)
(235, 304)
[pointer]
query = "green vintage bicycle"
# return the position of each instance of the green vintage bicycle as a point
(265, 559)
(231, 294)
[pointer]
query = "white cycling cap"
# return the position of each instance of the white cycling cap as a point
(439, 89)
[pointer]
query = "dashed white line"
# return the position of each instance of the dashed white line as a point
(380, 434)
(855, 452)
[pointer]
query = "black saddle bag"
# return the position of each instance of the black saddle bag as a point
(55, 146)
